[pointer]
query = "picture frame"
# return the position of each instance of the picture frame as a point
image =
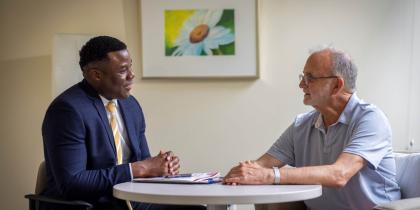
(199, 39)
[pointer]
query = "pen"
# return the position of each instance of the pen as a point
(214, 180)
(179, 175)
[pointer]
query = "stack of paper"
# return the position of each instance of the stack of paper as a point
(190, 178)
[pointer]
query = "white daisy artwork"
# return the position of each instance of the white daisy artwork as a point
(204, 32)
(190, 39)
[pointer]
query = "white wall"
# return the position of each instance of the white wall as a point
(210, 124)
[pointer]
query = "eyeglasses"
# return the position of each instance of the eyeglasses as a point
(309, 78)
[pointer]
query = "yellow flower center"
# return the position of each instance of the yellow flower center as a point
(199, 33)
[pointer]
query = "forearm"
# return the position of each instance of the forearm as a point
(269, 161)
(334, 175)
(326, 175)
(261, 172)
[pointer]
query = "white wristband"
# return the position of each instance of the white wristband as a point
(276, 175)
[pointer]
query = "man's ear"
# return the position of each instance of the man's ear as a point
(93, 74)
(339, 85)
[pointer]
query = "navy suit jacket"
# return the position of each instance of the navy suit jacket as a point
(79, 147)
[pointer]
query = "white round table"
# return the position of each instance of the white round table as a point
(216, 196)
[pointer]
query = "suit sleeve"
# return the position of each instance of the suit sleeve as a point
(66, 156)
(144, 148)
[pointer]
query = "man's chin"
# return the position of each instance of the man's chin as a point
(124, 95)
(307, 100)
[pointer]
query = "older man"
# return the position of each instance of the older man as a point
(344, 144)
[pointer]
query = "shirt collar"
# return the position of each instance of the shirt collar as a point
(106, 101)
(345, 116)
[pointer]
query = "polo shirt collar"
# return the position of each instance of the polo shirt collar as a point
(345, 116)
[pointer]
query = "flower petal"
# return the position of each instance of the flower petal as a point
(213, 17)
(180, 40)
(211, 43)
(207, 49)
(227, 39)
(198, 49)
(176, 52)
(192, 49)
(188, 26)
(179, 51)
(199, 17)
(221, 35)
(218, 31)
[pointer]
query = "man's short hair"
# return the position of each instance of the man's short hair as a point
(342, 65)
(97, 48)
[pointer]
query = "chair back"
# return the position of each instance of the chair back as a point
(41, 178)
(36, 199)
(408, 174)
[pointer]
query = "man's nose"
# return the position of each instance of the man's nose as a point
(130, 74)
(302, 83)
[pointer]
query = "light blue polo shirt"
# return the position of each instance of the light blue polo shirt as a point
(362, 129)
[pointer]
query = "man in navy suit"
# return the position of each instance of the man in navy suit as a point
(79, 147)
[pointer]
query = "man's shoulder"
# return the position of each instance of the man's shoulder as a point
(73, 96)
(307, 118)
(367, 116)
(363, 109)
(73, 91)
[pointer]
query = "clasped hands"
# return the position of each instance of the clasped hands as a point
(249, 172)
(163, 164)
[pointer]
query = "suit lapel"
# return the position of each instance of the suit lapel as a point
(129, 125)
(100, 108)
(102, 114)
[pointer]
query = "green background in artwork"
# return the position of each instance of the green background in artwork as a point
(227, 21)
(174, 21)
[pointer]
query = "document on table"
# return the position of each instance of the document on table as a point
(190, 178)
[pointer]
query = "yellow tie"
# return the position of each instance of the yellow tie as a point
(115, 131)
(117, 137)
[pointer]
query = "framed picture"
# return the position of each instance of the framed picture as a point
(199, 39)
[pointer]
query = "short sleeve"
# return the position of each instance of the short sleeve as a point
(371, 138)
(283, 149)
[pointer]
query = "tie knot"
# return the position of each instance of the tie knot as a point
(111, 107)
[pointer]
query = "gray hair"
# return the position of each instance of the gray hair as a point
(342, 65)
